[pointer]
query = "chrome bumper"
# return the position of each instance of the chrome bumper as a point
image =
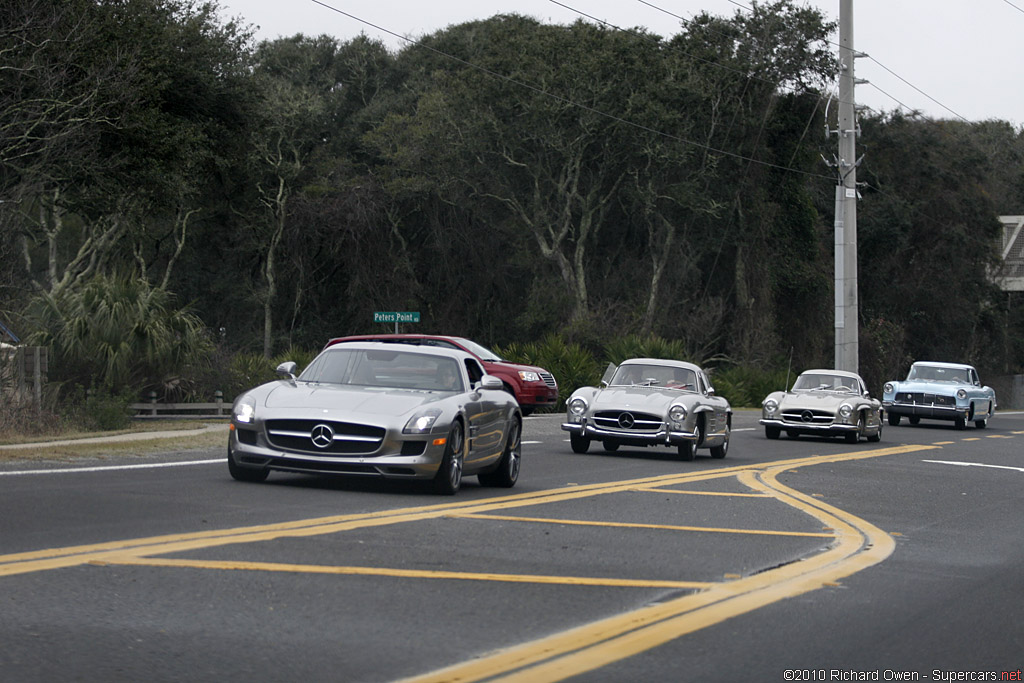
(662, 437)
(808, 427)
(927, 410)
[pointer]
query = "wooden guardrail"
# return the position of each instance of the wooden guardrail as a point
(153, 410)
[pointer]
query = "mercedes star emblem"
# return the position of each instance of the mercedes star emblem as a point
(322, 436)
(626, 421)
(807, 416)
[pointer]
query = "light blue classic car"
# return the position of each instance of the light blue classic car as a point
(940, 391)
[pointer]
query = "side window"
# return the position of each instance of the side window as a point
(439, 343)
(702, 383)
(475, 371)
(974, 378)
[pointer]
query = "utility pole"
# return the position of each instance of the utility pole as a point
(847, 349)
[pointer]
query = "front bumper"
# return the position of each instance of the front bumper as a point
(413, 458)
(809, 428)
(661, 437)
(934, 412)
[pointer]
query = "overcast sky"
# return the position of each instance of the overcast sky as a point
(946, 58)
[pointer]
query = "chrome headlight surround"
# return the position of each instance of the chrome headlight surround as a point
(576, 408)
(677, 413)
(244, 410)
(961, 394)
(845, 411)
(770, 406)
(422, 422)
(888, 388)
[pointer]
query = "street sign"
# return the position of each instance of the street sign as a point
(396, 317)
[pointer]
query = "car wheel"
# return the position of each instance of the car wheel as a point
(688, 450)
(240, 473)
(793, 434)
(506, 473)
(960, 423)
(854, 437)
(914, 420)
(894, 420)
(449, 475)
(611, 446)
(720, 451)
(771, 432)
(579, 444)
(980, 424)
(877, 436)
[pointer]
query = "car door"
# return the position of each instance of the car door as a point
(485, 415)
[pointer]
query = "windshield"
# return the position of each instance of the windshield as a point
(933, 373)
(825, 382)
(666, 376)
(388, 368)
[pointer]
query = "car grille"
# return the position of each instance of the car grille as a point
(627, 421)
(808, 417)
(348, 438)
(549, 379)
(921, 398)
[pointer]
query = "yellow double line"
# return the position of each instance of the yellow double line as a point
(857, 544)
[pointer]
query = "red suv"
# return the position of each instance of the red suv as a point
(533, 387)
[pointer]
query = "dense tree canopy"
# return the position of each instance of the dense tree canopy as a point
(510, 179)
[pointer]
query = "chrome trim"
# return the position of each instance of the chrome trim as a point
(809, 427)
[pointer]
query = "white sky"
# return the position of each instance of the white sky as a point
(961, 55)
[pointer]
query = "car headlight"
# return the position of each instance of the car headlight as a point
(677, 413)
(961, 394)
(576, 407)
(245, 409)
(845, 410)
(422, 422)
(528, 376)
(771, 405)
(888, 388)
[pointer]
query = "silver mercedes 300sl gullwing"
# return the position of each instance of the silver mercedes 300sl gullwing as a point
(381, 410)
(824, 403)
(650, 402)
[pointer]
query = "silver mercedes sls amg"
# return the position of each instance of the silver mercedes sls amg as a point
(381, 410)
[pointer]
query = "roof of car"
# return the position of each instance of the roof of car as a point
(940, 364)
(660, 361)
(827, 371)
(423, 350)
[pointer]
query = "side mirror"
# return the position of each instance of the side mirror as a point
(287, 368)
(491, 382)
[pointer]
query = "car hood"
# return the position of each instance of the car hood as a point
(819, 400)
(347, 399)
(636, 398)
(515, 367)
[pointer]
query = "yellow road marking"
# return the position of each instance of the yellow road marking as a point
(631, 525)
(403, 573)
(585, 648)
(660, 489)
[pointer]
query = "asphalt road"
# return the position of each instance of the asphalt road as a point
(796, 559)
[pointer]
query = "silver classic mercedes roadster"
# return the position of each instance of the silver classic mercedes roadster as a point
(824, 403)
(381, 410)
(650, 402)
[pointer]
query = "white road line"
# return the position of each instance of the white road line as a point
(109, 468)
(974, 464)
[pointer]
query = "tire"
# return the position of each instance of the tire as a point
(579, 444)
(772, 432)
(249, 474)
(980, 424)
(448, 479)
(506, 473)
(792, 434)
(688, 450)
(894, 420)
(877, 436)
(854, 437)
(960, 423)
(720, 452)
(610, 446)
(914, 420)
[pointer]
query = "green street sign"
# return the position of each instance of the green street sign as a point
(396, 316)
